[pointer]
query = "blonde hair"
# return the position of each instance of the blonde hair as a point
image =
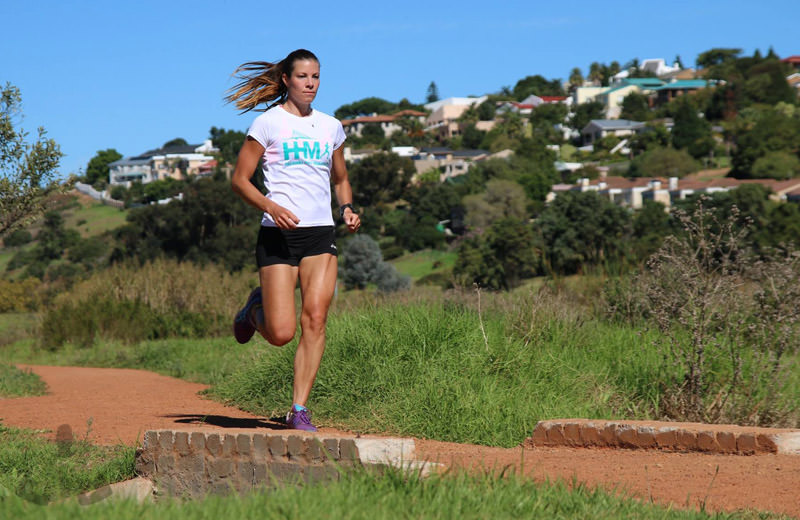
(261, 81)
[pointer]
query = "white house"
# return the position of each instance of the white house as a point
(177, 162)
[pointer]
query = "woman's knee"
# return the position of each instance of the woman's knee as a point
(313, 320)
(278, 336)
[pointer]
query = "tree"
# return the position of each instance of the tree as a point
(585, 112)
(372, 105)
(380, 178)
(583, 229)
(486, 110)
(363, 263)
(575, 78)
(502, 199)
(762, 131)
(691, 131)
(537, 85)
(663, 162)
(596, 72)
(635, 107)
(471, 137)
(716, 57)
(433, 93)
(228, 142)
(97, 169)
(27, 170)
(776, 165)
(178, 141)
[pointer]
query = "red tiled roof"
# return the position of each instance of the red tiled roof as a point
(368, 119)
(412, 113)
(552, 99)
(792, 59)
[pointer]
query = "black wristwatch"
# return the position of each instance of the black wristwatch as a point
(343, 207)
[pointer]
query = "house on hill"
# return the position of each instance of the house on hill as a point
(632, 193)
(388, 123)
(600, 128)
(178, 162)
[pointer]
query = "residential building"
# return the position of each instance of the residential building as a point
(450, 163)
(632, 193)
(669, 91)
(388, 123)
(794, 61)
(794, 81)
(656, 67)
(177, 162)
(599, 128)
(586, 94)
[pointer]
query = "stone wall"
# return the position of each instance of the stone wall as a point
(191, 464)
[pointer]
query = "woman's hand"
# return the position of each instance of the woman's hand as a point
(352, 220)
(282, 217)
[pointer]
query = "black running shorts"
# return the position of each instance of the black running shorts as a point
(289, 246)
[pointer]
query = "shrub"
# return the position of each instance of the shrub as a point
(728, 322)
(20, 296)
(159, 299)
(17, 238)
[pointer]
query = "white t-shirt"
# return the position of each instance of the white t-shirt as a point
(298, 154)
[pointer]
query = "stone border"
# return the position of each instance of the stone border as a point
(185, 463)
(711, 438)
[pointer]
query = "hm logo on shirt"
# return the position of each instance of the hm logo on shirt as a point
(300, 149)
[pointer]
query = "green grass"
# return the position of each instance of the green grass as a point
(94, 219)
(19, 383)
(388, 496)
(40, 471)
(425, 369)
(421, 263)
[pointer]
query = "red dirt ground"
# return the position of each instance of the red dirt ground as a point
(122, 404)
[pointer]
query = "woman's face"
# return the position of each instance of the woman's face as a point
(302, 85)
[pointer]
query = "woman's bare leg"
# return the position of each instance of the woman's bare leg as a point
(317, 284)
(277, 322)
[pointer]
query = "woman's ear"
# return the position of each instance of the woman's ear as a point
(285, 80)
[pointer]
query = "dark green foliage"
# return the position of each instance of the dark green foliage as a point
(471, 137)
(432, 93)
(500, 259)
(380, 178)
(691, 131)
(486, 110)
(228, 142)
(87, 251)
(211, 223)
(650, 225)
(585, 112)
(653, 136)
(779, 165)
(765, 131)
(372, 134)
(17, 238)
(663, 162)
(636, 107)
(97, 170)
(537, 85)
(178, 141)
(583, 229)
(371, 105)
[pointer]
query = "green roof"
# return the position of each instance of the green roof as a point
(684, 83)
(643, 82)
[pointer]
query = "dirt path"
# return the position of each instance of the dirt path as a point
(122, 404)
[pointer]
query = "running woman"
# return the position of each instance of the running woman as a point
(301, 151)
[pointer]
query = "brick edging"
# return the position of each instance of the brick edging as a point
(711, 438)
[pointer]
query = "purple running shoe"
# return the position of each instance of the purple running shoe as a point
(300, 420)
(243, 326)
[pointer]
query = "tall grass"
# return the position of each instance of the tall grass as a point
(131, 303)
(389, 496)
(440, 369)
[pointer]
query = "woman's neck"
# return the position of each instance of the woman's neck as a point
(297, 109)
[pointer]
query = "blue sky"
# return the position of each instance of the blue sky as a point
(133, 75)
